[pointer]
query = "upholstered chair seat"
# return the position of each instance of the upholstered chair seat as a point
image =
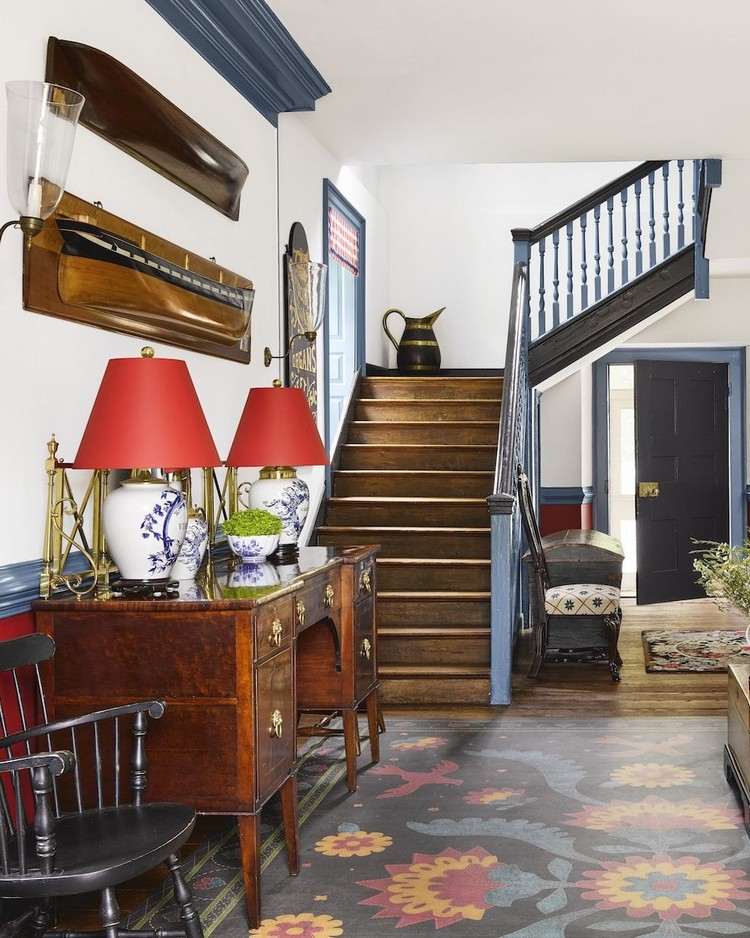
(582, 599)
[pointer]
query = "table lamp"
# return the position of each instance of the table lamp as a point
(145, 415)
(277, 431)
(41, 126)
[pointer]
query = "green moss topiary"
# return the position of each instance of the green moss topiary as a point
(254, 522)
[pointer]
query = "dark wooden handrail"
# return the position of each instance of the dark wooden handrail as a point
(588, 202)
(514, 381)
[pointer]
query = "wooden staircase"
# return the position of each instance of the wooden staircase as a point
(412, 473)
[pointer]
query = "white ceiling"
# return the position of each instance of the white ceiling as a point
(418, 81)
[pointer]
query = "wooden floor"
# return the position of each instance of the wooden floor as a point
(561, 690)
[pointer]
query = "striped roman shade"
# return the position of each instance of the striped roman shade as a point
(343, 240)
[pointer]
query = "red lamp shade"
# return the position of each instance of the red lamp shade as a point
(277, 429)
(146, 414)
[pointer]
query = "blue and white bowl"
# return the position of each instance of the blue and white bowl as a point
(253, 548)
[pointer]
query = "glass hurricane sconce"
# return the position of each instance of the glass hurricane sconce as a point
(41, 126)
(307, 295)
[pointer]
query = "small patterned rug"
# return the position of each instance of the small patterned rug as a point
(505, 828)
(672, 650)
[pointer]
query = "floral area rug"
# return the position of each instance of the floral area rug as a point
(514, 828)
(674, 650)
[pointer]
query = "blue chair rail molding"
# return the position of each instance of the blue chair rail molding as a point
(251, 48)
(566, 495)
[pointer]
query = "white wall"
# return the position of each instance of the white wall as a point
(450, 243)
(50, 369)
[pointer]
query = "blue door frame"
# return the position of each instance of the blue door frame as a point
(333, 198)
(735, 359)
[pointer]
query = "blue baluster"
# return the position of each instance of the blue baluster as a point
(556, 279)
(680, 207)
(610, 248)
(651, 223)
(597, 256)
(584, 265)
(624, 239)
(638, 229)
(542, 313)
(569, 297)
(694, 196)
(665, 213)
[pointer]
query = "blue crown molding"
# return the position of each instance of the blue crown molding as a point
(566, 495)
(248, 45)
(19, 584)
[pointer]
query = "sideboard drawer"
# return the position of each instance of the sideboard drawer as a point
(364, 648)
(274, 625)
(275, 722)
(318, 600)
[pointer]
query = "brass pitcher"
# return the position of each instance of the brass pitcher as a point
(418, 350)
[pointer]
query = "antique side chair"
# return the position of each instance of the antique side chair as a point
(74, 829)
(573, 614)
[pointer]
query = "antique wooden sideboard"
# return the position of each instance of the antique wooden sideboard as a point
(235, 665)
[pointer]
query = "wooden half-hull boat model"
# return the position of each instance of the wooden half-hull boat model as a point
(98, 268)
(91, 266)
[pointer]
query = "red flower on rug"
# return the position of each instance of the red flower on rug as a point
(413, 781)
(447, 887)
(668, 887)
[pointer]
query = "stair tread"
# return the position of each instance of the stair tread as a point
(407, 499)
(435, 631)
(414, 472)
(432, 670)
(410, 530)
(424, 423)
(469, 401)
(431, 561)
(469, 446)
(434, 595)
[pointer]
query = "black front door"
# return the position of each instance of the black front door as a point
(682, 471)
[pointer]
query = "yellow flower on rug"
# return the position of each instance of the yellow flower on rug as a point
(492, 795)
(655, 813)
(353, 844)
(426, 742)
(305, 925)
(447, 887)
(652, 775)
(668, 887)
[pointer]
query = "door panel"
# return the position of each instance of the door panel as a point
(681, 444)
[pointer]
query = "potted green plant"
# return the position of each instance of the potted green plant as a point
(253, 534)
(724, 573)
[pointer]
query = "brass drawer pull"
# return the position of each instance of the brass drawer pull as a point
(328, 595)
(365, 581)
(276, 729)
(366, 648)
(300, 612)
(277, 630)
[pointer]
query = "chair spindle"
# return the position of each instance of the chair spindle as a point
(76, 770)
(98, 767)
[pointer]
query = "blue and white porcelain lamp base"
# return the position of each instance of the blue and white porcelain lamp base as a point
(144, 524)
(280, 492)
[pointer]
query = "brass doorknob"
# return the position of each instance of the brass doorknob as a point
(276, 729)
(277, 630)
(366, 648)
(328, 595)
(300, 612)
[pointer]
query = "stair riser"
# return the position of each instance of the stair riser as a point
(409, 515)
(416, 433)
(406, 457)
(413, 545)
(409, 389)
(467, 578)
(410, 691)
(421, 485)
(427, 410)
(446, 613)
(433, 651)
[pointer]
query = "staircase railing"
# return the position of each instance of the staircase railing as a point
(647, 218)
(505, 529)
(611, 237)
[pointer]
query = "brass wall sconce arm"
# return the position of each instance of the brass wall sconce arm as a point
(30, 226)
(310, 335)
